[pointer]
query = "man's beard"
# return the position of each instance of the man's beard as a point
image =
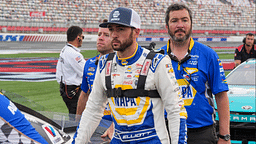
(123, 46)
(249, 44)
(180, 40)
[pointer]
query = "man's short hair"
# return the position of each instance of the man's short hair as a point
(105, 20)
(249, 34)
(73, 32)
(176, 7)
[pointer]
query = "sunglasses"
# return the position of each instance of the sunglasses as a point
(82, 37)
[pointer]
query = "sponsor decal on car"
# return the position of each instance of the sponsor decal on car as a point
(52, 134)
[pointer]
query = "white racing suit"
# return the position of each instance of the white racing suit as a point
(141, 119)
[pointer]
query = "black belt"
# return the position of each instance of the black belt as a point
(199, 129)
(71, 86)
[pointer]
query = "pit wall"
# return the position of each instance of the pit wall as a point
(93, 38)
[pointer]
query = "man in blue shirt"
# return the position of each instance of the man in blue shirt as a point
(200, 74)
(103, 47)
(14, 127)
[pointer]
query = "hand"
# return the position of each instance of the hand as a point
(107, 136)
(78, 117)
(222, 141)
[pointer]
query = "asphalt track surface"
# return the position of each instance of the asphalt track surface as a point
(30, 47)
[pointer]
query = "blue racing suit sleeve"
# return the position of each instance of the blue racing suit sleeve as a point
(85, 84)
(11, 120)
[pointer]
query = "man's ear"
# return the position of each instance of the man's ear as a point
(137, 32)
(78, 38)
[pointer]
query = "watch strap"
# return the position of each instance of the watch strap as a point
(225, 137)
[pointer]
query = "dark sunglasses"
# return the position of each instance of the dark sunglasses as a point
(82, 37)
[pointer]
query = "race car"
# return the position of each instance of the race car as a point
(55, 128)
(242, 103)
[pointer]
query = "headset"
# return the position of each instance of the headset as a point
(244, 40)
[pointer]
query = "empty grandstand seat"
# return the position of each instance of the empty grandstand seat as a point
(47, 29)
(11, 28)
(148, 30)
(163, 31)
(155, 31)
(63, 29)
(19, 28)
(208, 14)
(34, 28)
(55, 29)
(26, 28)
(94, 29)
(88, 30)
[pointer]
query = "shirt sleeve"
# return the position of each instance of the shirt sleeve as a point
(58, 71)
(169, 91)
(237, 55)
(217, 80)
(84, 85)
(94, 111)
(77, 61)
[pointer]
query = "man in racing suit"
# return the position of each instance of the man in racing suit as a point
(14, 127)
(103, 47)
(137, 110)
(199, 73)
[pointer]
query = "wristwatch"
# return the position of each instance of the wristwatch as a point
(225, 137)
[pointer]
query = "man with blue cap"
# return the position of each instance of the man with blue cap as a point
(138, 84)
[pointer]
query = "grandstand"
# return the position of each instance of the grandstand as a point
(231, 17)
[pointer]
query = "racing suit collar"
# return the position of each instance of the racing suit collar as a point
(130, 60)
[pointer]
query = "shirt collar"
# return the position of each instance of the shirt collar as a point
(191, 44)
(75, 48)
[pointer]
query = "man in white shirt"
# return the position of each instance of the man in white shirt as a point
(69, 71)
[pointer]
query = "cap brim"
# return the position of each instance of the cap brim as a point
(105, 25)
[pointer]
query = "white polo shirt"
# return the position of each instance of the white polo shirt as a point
(70, 66)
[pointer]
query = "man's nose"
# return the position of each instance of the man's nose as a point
(114, 34)
(101, 37)
(180, 24)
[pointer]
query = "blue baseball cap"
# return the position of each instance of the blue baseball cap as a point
(123, 16)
